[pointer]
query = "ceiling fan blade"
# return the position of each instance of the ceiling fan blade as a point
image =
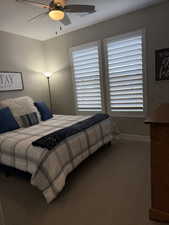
(38, 4)
(35, 17)
(86, 14)
(66, 21)
(79, 8)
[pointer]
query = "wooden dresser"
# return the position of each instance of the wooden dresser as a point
(159, 128)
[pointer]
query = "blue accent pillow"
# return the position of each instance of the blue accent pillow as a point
(45, 113)
(7, 121)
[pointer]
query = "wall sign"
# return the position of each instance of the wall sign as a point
(11, 81)
(162, 64)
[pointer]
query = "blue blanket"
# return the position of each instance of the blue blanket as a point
(52, 140)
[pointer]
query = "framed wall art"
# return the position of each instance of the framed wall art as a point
(162, 64)
(11, 81)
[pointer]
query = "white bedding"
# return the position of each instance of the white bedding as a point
(49, 169)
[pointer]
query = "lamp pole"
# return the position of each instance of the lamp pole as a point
(48, 75)
(50, 96)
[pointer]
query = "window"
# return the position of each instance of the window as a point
(121, 90)
(125, 73)
(85, 63)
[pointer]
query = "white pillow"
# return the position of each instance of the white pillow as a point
(19, 107)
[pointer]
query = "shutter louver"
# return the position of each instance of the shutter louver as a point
(87, 79)
(125, 74)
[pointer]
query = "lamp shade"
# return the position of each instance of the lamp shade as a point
(56, 14)
(47, 74)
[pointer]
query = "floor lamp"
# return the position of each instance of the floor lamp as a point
(48, 75)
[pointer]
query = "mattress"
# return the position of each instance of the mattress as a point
(49, 169)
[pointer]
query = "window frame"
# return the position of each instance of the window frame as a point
(126, 114)
(79, 47)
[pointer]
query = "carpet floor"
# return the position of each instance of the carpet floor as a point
(110, 188)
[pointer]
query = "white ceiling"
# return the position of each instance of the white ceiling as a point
(14, 16)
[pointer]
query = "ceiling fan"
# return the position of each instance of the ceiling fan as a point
(58, 9)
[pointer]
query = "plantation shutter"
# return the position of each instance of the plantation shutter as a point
(87, 78)
(125, 74)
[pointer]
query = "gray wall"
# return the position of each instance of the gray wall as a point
(154, 20)
(24, 55)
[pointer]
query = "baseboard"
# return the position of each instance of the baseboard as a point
(134, 137)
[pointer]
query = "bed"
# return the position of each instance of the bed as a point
(49, 169)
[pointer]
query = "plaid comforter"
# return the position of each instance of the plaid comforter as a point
(49, 169)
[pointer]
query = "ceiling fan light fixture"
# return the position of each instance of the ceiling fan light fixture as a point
(56, 14)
